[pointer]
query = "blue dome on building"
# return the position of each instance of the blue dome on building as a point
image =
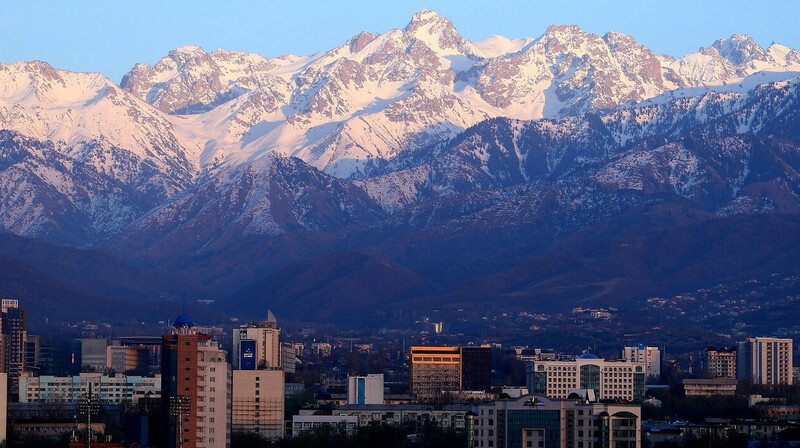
(588, 356)
(183, 321)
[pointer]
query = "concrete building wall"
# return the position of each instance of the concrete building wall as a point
(258, 402)
(365, 389)
(763, 360)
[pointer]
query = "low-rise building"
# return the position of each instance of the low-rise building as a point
(538, 421)
(343, 424)
(113, 389)
(624, 380)
(706, 387)
(410, 416)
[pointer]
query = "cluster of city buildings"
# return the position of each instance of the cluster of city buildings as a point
(756, 360)
(197, 393)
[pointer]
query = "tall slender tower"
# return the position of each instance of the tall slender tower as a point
(15, 335)
(195, 385)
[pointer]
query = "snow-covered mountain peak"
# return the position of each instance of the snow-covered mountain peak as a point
(740, 49)
(439, 34)
(428, 19)
(37, 82)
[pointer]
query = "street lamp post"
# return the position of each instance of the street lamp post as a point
(89, 405)
(178, 407)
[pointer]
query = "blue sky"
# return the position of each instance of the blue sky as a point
(111, 36)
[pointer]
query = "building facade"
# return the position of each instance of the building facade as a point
(195, 389)
(536, 421)
(650, 356)
(343, 424)
(766, 361)
(413, 417)
(719, 363)
(258, 402)
(15, 336)
(624, 380)
(365, 389)
(705, 387)
(114, 389)
(434, 371)
(476, 368)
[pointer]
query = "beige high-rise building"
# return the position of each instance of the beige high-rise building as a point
(257, 402)
(650, 356)
(763, 360)
(257, 345)
(719, 363)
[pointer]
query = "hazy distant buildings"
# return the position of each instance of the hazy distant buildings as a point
(538, 421)
(650, 356)
(289, 358)
(365, 389)
(93, 355)
(321, 349)
(623, 380)
(195, 389)
(434, 371)
(763, 360)
(719, 363)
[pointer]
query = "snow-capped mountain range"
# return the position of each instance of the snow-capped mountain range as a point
(392, 144)
(346, 110)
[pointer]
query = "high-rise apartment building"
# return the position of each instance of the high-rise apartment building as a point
(650, 356)
(623, 380)
(258, 379)
(195, 386)
(434, 371)
(257, 345)
(719, 363)
(365, 389)
(763, 360)
(476, 368)
(15, 335)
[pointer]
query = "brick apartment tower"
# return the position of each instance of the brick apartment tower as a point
(194, 370)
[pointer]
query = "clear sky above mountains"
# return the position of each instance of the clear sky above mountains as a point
(110, 36)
